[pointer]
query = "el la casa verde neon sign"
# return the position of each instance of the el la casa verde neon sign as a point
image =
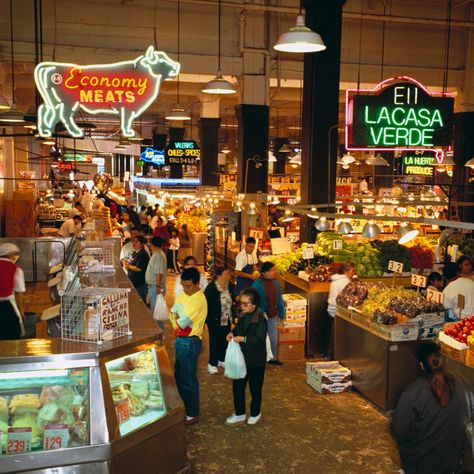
(398, 113)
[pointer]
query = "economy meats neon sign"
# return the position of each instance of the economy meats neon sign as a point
(125, 89)
(398, 113)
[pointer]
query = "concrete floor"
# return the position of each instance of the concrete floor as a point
(300, 431)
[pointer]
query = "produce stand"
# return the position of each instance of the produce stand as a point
(123, 388)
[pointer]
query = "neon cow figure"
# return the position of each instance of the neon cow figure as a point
(126, 89)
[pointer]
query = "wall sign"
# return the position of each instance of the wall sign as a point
(150, 155)
(125, 89)
(65, 166)
(183, 153)
(398, 113)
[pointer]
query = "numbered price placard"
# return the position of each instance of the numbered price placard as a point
(18, 440)
(435, 296)
(308, 253)
(122, 408)
(55, 437)
(395, 267)
(419, 280)
(337, 244)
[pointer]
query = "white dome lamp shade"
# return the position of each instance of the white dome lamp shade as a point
(177, 114)
(219, 85)
(271, 157)
(347, 159)
(377, 160)
(370, 230)
(406, 233)
(345, 227)
(300, 39)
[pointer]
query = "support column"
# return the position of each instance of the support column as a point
(176, 134)
(253, 146)
(209, 132)
(321, 107)
(279, 165)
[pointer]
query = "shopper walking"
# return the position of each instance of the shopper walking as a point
(12, 286)
(136, 267)
(429, 423)
(155, 275)
(188, 316)
(251, 332)
(173, 252)
(246, 266)
(271, 303)
(190, 262)
(184, 243)
(219, 314)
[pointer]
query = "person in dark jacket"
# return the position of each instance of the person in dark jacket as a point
(251, 332)
(429, 421)
(136, 267)
(219, 314)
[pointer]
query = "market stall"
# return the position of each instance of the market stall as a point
(83, 406)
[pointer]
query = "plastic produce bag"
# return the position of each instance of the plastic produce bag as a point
(268, 346)
(234, 362)
(161, 312)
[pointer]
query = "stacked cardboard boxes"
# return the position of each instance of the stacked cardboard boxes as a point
(328, 377)
(292, 330)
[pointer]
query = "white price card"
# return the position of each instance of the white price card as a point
(55, 437)
(308, 253)
(419, 280)
(337, 244)
(394, 266)
(433, 295)
(18, 440)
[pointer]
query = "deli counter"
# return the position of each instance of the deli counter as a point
(80, 407)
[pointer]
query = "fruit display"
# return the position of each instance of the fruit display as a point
(415, 305)
(320, 273)
(421, 256)
(286, 260)
(462, 331)
(379, 297)
(392, 250)
(385, 316)
(353, 294)
(195, 220)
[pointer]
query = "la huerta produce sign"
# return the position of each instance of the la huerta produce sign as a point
(398, 113)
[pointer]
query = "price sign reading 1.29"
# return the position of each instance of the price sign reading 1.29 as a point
(55, 437)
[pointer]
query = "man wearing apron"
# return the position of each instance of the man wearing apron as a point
(12, 284)
(246, 266)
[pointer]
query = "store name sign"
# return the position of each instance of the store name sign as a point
(125, 89)
(150, 155)
(398, 113)
(183, 153)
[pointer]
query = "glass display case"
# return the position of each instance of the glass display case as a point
(44, 409)
(136, 390)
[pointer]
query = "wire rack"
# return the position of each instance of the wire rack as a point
(96, 256)
(95, 314)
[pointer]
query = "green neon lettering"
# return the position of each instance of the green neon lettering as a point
(384, 115)
(423, 117)
(376, 140)
(389, 136)
(414, 141)
(394, 116)
(437, 118)
(366, 115)
(427, 137)
(402, 136)
(411, 117)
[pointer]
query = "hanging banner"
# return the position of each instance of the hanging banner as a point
(184, 152)
(398, 113)
(125, 89)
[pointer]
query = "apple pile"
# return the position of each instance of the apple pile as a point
(461, 330)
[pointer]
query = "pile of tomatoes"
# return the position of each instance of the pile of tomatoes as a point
(461, 330)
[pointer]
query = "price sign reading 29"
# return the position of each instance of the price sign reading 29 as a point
(398, 113)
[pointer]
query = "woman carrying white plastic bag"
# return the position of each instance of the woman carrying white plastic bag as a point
(251, 333)
(235, 367)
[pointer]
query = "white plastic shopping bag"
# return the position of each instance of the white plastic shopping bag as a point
(269, 348)
(161, 312)
(234, 362)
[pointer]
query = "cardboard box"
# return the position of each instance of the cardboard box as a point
(293, 324)
(324, 373)
(298, 317)
(291, 334)
(296, 309)
(325, 389)
(430, 332)
(294, 299)
(453, 353)
(470, 358)
(295, 315)
(291, 351)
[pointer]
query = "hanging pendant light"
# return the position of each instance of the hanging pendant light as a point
(377, 160)
(4, 105)
(252, 209)
(284, 149)
(348, 159)
(470, 163)
(296, 160)
(219, 85)
(370, 230)
(300, 39)
(345, 227)
(226, 150)
(406, 233)
(238, 206)
(322, 224)
(178, 114)
(271, 157)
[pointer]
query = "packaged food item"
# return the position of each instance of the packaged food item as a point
(3, 409)
(55, 414)
(90, 324)
(28, 420)
(25, 403)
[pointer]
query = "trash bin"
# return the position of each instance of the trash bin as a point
(30, 325)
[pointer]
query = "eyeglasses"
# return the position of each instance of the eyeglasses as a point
(246, 303)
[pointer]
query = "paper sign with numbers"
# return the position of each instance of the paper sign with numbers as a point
(308, 253)
(394, 266)
(122, 409)
(18, 440)
(55, 437)
(419, 280)
(435, 296)
(337, 244)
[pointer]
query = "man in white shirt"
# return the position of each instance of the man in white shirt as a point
(77, 210)
(246, 266)
(458, 286)
(70, 227)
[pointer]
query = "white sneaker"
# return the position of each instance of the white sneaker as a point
(220, 364)
(253, 420)
(233, 419)
(211, 369)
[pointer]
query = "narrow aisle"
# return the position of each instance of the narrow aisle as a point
(300, 431)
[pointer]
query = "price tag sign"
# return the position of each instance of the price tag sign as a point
(337, 244)
(394, 266)
(308, 253)
(55, 437)
(18, 440)
(435, 296)
(122, 409)
(419, 280)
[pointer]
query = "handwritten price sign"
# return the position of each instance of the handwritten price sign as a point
(308, 253)
(394, 266)
(122, 409)
(18, 440)
(337, 244)
(419, 280)
(435, 296)
(55, 437)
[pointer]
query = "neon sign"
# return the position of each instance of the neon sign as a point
(125, 89)
(150, 155)
(398, 113)
(183, 153)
